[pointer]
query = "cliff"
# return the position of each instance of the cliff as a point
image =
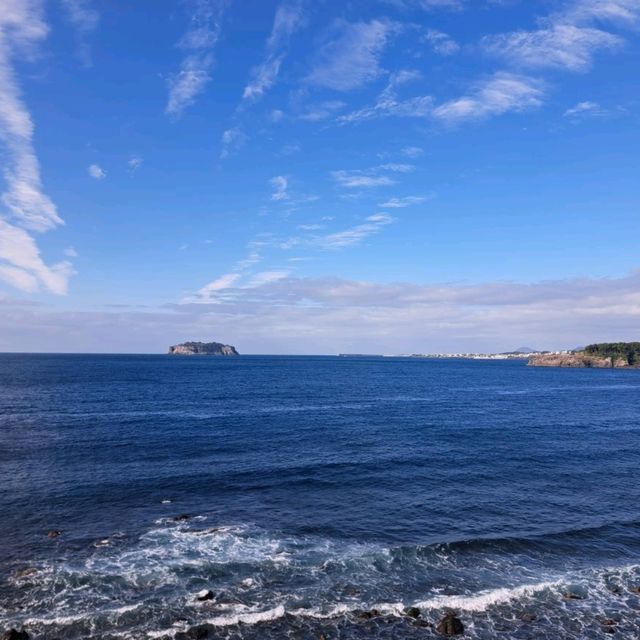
(203, 349)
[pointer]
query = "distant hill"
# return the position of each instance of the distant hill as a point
(525, 350)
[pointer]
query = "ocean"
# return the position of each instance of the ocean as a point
(316, 497)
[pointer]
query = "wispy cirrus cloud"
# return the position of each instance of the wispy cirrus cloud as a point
(401, 203)
(85, 19)
(499, 94)
(442, 43)
(279, 184)
(198, 44)
(389, 104)
(289, 17)
(355, 235)
(586, 108)
(351, 57)
(560, 45)
(232, 140)
(26, 205)
(372, 177)
(568, 38)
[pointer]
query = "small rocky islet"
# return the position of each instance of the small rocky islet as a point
(203, 349)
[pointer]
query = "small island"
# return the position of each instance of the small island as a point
(604, 355)
(203, 349)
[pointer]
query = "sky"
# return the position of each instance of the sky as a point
(319, 176)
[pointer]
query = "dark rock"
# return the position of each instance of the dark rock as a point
(450, 625)
(412, 612)
(607, 629)
(195, 633)
(569, 595)
(608, 622)
(367, 615)
(635, 589)
(54, 533)
(181, 518)
(528, 617)
(205, 594)
(13, 634)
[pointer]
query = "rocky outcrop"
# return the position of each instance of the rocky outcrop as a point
(203, 349)
(13, 634)
(450, 625)
(578, 360)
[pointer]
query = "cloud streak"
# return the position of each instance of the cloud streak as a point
(198, 43)
(288, 19)
(26, 205)
(351, 58)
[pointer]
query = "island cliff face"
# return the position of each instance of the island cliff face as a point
(577, 360)
(202, 349)
(607, 355)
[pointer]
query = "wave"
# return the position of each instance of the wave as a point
(147, 586)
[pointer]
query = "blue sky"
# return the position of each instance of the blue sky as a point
(314, 177)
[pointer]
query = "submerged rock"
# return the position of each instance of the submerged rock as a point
(527, 616)
(569, 595)
(412, 612)
(450, 625)
(195, 633)
(181, 518)
(13, 634)
(54, 533)
(205, 594)
(367, 615)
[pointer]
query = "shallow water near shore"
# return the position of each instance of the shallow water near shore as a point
(317, 488)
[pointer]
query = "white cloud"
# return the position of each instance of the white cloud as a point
(195, 68)
(70, 252)
(412, 152)
(288, 19)
(279, 184)
(96, 171)
(219, 284)
(134, 163)
(499, 94)
(27, 206)
(22, 266)
(85, 19)
(355, 235)
(332, 315)
(389, 104)
(322, 110)
(584, 109)
(373, 177)
(352, 58)
(232, 139)
(564, 46)
(400, 203)
(267, 277)
(616, 11)
(442, 43)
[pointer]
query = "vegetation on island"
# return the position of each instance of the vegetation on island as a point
(629, 351)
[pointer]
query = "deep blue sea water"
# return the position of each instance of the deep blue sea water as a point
(316, 487)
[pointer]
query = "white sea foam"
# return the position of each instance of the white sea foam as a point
(485, 599)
